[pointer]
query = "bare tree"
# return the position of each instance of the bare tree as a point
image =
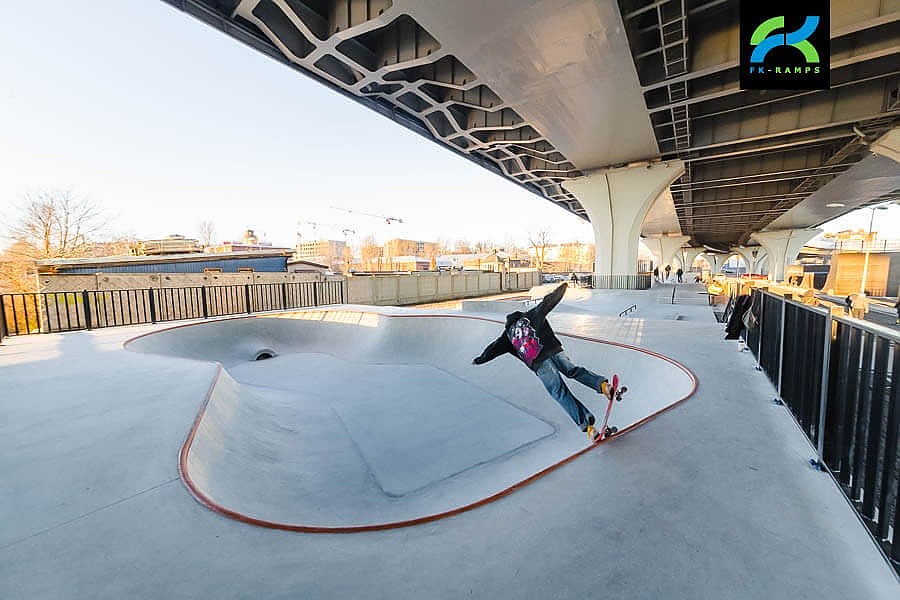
(371, 253)
(49, 225)
(57, 225)
(207, 233)
(444, 246)
(539, 240)
(462, 247)
(484, 246)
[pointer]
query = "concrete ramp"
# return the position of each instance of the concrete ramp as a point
(341, 420)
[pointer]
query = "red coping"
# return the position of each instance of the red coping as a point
(211, 504)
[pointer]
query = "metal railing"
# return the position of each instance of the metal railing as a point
(52, 312)
(641, 281)
(840, 378)
(628, 310)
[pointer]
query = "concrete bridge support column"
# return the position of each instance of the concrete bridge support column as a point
(617, 200)
(666, 246)
(782, 247)
(748, 257)
(716, 261)
(762, 264)
(690, 255)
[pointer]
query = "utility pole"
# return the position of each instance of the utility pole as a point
(868, 242)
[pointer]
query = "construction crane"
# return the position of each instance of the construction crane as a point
(346, 231)
(387, 219)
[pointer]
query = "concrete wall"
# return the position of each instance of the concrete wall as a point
(379, 290)
(418, 288)
(123, 299)
(141, 281)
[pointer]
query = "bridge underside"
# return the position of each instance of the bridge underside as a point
(546, 93)
(752, 155)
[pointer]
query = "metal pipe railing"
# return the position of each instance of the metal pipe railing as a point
(54, 312)
(640, 281)
(840, 379)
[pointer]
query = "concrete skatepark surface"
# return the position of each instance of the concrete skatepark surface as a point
(712, 499)
(362, 420)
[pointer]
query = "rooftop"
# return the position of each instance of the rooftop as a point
(48, 265)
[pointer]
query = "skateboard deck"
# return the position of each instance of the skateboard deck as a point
(615, 393)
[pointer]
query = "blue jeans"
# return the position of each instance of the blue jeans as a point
(550, 372)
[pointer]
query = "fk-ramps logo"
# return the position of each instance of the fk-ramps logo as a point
(785, 45)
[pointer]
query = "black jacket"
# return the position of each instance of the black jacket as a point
(527, 335)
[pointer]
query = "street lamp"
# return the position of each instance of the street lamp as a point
(865, 273)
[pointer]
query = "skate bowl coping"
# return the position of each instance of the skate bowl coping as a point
(347, 420)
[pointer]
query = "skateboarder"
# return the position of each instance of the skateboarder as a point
(529, 337)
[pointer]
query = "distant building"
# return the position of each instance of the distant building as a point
(566, 258)
(401, 248)
(410, 263)
(334, 253)
(296, 265)
(495, 262)
(454, 261)
(173, 244)
(249, 243)
(263, 261)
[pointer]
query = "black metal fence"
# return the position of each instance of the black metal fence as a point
(51, 312)
(841, 380)
(641, 281)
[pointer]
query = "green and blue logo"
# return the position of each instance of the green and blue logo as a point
(765, 39)
(785, 46)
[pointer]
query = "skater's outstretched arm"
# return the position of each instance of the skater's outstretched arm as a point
(539, 313)
(499, 346)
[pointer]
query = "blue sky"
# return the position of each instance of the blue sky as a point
(164, 122)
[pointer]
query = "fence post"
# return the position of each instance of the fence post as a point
(203, 301)
(152, 305)
(283, 296)
(247, 297)
(4, 331)
(781, 343)
(823, 397)
(86, 301)
(315, 293)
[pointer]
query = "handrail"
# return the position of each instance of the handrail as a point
(54, 312)
(630, 309)
(836, 375)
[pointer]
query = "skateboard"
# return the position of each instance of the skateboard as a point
(615, 393)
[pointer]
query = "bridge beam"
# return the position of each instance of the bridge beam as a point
(782, 247)
(616, 201)
(888, 145)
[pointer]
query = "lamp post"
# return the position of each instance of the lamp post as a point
(865, 273)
